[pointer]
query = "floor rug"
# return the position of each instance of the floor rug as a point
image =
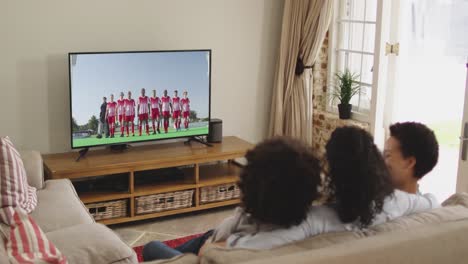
(172, 243)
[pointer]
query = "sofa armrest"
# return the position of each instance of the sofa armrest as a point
(34, 168)
(92, 243)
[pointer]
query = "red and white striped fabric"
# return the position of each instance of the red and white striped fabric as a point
(143, 105)
(120, 106)
(27, 244)
(111, 109)
(176, 103)
(165, 101)
(185, 102)
(14, 188)
(129, 106)
(155, 102)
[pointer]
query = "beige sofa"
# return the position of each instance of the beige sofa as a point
(66, 221)
(436, 236)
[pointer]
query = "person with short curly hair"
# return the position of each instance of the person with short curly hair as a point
(279, 182)
(278, 185)
(361, 193)
(410, 152)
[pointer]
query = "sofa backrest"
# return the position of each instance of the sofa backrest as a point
(435, 216)
(33, 165)
(441, 243)
(214, 255)
(455, 210)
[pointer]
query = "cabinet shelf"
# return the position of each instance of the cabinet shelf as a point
(155, 183)
(94, 197)
(220, 173)
(162, 188)
(170, 212)
(201, 166)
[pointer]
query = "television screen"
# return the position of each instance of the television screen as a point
(124, 97)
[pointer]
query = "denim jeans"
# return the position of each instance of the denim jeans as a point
(157, 250)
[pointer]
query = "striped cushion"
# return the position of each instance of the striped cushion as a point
(14, 188)
(26, 243)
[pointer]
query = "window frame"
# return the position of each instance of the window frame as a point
(333, 42)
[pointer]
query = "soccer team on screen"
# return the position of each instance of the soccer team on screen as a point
(148, 108)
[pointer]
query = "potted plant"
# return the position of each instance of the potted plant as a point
(345, 88)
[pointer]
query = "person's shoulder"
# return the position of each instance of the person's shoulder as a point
(412, 199)
(322, 213)
(321, 219)
(431, 197)
(399, 194)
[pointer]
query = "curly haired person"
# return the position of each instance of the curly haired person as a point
(361, 193)
(278, 185)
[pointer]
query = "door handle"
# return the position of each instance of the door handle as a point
(464, 140)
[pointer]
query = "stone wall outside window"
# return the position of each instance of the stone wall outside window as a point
(324, 123)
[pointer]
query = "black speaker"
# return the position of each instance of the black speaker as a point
(216, 131)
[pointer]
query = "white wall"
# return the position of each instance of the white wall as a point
(35, 37)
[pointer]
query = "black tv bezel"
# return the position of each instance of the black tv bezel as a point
(143, 51)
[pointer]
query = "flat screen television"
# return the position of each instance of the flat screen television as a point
(137, 96)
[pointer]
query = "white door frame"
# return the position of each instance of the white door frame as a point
(379, 86)
(462, 177)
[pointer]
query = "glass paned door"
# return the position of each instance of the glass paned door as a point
(427, 78)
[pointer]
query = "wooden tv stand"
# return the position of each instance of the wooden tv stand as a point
(202, 167)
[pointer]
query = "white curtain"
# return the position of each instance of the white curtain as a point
(305, 24)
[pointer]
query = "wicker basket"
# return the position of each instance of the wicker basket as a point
(222, 192)
(107, 210)
(163, 202)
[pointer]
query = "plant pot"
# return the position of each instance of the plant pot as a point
(344, 111)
